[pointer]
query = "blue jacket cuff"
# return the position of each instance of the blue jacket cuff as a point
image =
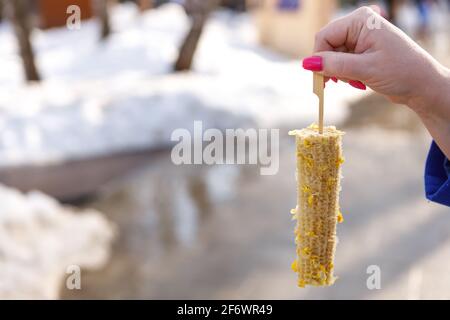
(437, 176)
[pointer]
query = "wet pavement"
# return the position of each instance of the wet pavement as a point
(225, 231)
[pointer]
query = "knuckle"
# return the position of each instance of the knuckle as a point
(318, 36)
(364, 11)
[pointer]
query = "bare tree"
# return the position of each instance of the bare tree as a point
(145, 4)
(104, 17)
(102, 11)
(1, 10)
(21, 20)
(238, 5)
(198, 10)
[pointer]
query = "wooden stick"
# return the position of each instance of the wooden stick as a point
(318, 88)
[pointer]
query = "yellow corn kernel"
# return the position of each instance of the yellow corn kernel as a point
(306, 189)
(311, 234)
(301, 283)
(319, 158)
(340, 217)
(307, 143)
(306, 251)
(294, 266)
(309, 162)
(310, 200)
(340, 161)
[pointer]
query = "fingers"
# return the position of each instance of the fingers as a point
(338, 64)
(337, 53)
(342, 34)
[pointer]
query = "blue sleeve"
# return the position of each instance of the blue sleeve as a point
(437, 176)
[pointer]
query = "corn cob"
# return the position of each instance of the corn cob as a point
(319, 157)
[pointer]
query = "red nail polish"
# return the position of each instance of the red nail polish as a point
(357, 84)
(313, 63)
(334, 79)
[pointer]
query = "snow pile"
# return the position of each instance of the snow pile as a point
(99, 98)
(95, 122)
(40, 240)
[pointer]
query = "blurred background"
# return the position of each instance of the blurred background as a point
(86, 178)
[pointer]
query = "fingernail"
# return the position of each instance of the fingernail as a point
(357, 84)
(313, 63)
(334, 79)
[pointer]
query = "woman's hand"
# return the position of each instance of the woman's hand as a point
(364, 48)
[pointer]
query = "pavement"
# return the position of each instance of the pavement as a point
(224, 232)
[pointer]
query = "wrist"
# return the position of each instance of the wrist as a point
(433, 101)
(434, 110)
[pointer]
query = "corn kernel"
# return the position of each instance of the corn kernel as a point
(306, 251)
(306, 189)
(294, 266)
(340, 161)
(340, 217)
(311, 234)
(307, 143)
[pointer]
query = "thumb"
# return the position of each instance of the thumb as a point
(344, 65)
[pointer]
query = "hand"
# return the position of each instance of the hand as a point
(364, 48)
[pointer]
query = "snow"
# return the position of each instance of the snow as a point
(40, 240)
(120, 95)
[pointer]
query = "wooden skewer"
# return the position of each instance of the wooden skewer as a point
(318, 88)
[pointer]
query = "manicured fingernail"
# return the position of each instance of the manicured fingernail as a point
(357, 84)
(313, 63)
(334, 79)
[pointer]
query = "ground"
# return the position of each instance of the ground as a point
(225, 231)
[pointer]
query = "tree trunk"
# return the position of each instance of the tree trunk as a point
(238, 5)
(1, 10)
(145, 5)
(21, 21)
(198, 11)
(101, 8)
(189, 46)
